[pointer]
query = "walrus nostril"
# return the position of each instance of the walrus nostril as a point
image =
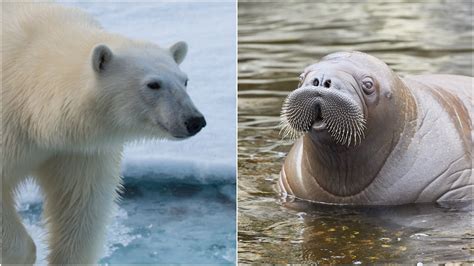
(327, 83)
(316, 82)
(195, 124)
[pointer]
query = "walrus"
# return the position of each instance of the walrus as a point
(365, 136)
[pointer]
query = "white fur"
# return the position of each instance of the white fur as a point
(72, 95)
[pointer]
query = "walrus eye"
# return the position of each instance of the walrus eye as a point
(368, 87)
(154, 85)
(316, 82)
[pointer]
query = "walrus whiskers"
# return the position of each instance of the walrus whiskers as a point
(344, 119)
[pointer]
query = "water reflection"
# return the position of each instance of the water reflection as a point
(396, 234)
(276, 41)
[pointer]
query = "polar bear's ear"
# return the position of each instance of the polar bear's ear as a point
(101, 57)
(179, 51)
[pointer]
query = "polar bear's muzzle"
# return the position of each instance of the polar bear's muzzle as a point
(178, 116)
(195, 124)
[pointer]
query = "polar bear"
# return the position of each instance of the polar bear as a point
(72, 95)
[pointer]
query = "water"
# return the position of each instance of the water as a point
(179, 201)
(276, 41)
(158, 222)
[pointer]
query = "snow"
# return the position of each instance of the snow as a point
(185, 209)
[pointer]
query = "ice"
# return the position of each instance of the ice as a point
(179, 202)
(186, 170)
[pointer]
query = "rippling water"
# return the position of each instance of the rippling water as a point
(157, 221)
(276, 41)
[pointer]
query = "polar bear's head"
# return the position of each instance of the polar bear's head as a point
(144, 91)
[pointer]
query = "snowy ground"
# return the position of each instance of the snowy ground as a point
(179, 204)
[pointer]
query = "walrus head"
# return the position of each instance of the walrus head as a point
(333, 99)
(352, 111)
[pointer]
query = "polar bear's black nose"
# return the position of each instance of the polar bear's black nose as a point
(195, 124)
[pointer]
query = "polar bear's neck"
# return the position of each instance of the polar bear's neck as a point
(53, 92)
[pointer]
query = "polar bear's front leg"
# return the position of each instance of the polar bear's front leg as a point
(80, 191)
(17, 247)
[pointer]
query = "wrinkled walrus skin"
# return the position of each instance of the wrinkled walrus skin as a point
(417, 145)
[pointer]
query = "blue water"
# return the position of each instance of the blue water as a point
(161, 223)
(175, 223)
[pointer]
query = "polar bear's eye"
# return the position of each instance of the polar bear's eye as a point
(186, 83)
(154, 85)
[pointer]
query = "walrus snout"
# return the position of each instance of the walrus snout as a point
(323, 109)
(319, 124)
(301, 109)
(318, 111)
